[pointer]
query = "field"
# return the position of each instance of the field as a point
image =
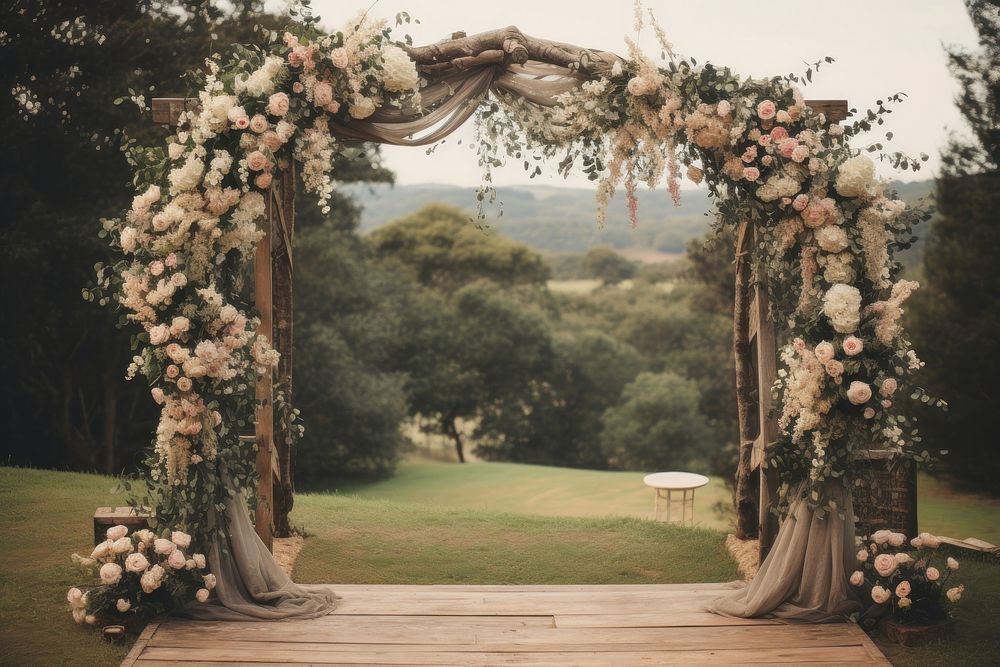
(465, 529)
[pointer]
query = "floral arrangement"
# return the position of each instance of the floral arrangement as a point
(825, 227)
(189, 235)
(908, 587)
(140, 576)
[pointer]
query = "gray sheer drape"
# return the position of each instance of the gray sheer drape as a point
(250, 585)
(805, 576)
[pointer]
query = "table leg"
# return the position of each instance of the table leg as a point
(670, 501)
(656, 504)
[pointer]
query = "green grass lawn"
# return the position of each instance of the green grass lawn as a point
(530, 489)
(381, 536)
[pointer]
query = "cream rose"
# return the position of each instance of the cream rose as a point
(184, 384)
(766, 110)
(257, 161)
(955, 594)
(199, 561)
(933, 574)
(116, 532)
(929, 541)
(75, 597)
(859, 392)
(201, 595)
(896, 539)
(889, 386)
(183, 540)
(952, 564)
(164, 547)
(136, 563)
(824, 352)
(122, 545)
(885, 564)
(880, 595)
(863, 555)
(123, 605)
(111, 573)
(857, 578)
(904, 602)
(210, 581)
(176, 559)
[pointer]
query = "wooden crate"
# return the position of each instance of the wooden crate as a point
(887, 497)
(105, 517)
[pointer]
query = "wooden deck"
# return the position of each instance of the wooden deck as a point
(509, 625)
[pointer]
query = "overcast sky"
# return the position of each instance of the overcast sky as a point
(881, 47)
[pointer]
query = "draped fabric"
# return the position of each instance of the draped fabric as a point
(804, 577)
(251, 586)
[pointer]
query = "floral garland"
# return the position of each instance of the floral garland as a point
(826, 233)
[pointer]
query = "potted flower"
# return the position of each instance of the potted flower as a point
(140, 576)
(913, 602)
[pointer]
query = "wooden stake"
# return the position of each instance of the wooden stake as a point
(263, 516)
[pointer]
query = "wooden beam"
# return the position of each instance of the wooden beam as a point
(263, 514)
(767, 373)
(834, 110)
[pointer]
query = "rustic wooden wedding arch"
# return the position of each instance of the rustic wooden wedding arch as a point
(754, 335)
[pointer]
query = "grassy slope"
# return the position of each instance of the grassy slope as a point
(44, 517)
(512, 487)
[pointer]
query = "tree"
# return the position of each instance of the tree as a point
(446, 251)
(62, 68)
(657, 425)
(956, 314)
(607, 266)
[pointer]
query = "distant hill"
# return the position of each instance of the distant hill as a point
(553, 219)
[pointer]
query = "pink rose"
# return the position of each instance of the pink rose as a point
(834, 368)
(241, 123)
(815, 165)
(800, 153)
(766, 110)
(297, 87)
(859, 392)
(800, 202)
(824, 352)
(880, 595)
(333, 107)
(889, 386)
(903, 588)
(853, 346)
(179, 325)
(201, 595)
(723, 108)
(258, 124)
(767, 160)
(765, 140)
(263, 180)
(178, 280)
(787, 146)
(779, 133)
(277, 104)
(257, 161)
(181, 539)
(869, 413)
(896, 540)
(857, 578)
(156, 268)
(184, 384)
(814, 214)
(750, 154)
(272, 141)
(885, 565)
(863, 555)
(751, 174)
(933, 574)
(322, 93)
(171, 260)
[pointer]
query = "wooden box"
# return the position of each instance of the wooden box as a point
(105, 517)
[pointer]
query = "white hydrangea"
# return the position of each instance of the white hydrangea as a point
(856, 177)
(842, 306)
(261, 81)
(832, 238)
(215, 109)
(837, 267)
(399, 73)
(188, 176)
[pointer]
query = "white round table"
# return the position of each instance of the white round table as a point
(675, 481)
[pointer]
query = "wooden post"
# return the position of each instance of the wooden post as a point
(746, 494)
(263, 516)
(282, 215)
(767, 372)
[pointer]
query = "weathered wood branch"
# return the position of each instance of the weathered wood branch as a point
(745, 493)
(506, 46)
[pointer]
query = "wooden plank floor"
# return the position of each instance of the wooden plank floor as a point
(509, 625)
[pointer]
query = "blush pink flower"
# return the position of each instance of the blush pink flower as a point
(277, 104)
(889, 386)
(779, 133)
(885, 564)
(766, 110)
(824, 352)
(241, 123)
(257, 161)
(800, 153)
(853, 346)
(258, 123)
(751, 174)
(869, 413)
(800, 202)
(787, 146)
(263, 180)
(859, 392)
(339, 58)
(322, 93)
